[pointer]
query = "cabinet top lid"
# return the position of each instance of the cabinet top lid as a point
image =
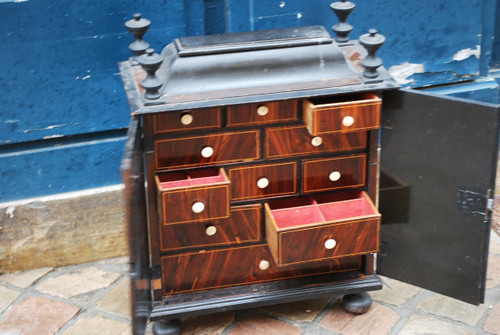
(250, 41)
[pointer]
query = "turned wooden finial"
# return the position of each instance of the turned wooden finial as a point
(342, 29)
(372, 42)
(138, 27)
(150, 62)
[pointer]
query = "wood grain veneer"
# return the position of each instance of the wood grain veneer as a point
(227, 147)
(316, 173)
(296, 141)
(278, 111)
(325, 115)
(282, 180)
(236, 266)
(242, 226)
(204, 118)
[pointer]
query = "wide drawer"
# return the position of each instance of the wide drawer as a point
(296, 140)
(198, 195)
(257, 181)
(333, 173)
(191, 119)
(208, 149)
(237, 266)
(342, 114)
(262, 113)
(307, 229)
(242, 226)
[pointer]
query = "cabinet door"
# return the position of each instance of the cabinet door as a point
(441, 153)
(135, 205)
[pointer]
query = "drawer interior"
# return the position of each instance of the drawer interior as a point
(329, 208)
(344, 99)
(171, 180)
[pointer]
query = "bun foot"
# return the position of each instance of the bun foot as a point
(357, 303)
(167, 327)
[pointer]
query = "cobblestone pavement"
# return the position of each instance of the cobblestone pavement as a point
(93, 298)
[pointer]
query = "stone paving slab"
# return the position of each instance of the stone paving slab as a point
(93, 298)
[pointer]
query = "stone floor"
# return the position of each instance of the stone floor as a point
(93, 298)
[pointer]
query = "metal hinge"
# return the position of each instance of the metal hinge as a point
(472, 202)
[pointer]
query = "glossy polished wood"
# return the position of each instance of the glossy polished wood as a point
(227, 147)
(316, 173)
(342, 114)
(250, 114)
(296, 141)
(235, 266)
(242, 226)
(177, 204)
(281, 180)
(302, 234)
(204, 118)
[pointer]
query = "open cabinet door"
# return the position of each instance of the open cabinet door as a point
(438, 166)
(135, 207)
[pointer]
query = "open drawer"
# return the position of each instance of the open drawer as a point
(188, 196)
(331, 226)
(344, 113)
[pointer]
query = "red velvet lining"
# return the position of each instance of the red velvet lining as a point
(323, 212)
(190, 178)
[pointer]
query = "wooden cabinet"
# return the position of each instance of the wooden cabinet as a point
(264, 187)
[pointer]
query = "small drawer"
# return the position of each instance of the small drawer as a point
(262, 113)
(208, 149)
(306, 229)
(342, 114)
(242, 226)
(188, 196)
(333, 173)
(190, 119)
(296, 140)
(258, 181)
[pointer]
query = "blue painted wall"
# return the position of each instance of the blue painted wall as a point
(64, 114)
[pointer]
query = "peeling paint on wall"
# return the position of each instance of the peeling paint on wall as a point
(401, 72)
(466, 53)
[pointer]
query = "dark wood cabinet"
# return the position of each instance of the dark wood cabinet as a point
(255, 178)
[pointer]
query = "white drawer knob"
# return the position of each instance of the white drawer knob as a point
(198, 207)
(262, 183)
(211, 230)
(317, 141)
(348, 121)
(186, 119)
(262, 110)
(330, 243)
(264, 265)
(334, 176)
(207, 152)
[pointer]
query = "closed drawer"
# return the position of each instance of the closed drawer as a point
(262, 113)
(205, 118)
(258, 181)
(193, 196)
(208, 149)
(211, 269)
(322, 228)
(333, 173)
(342, 114)
(242, 226)
(296, 140)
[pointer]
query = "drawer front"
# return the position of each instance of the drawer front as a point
(310, 244)
(346, 116)
(206, 150)
(333, 173)
(296, 140)
(262, 113)
(263, 180)
(237, 266)
(205, 118)
(242, 226)
(184, 205)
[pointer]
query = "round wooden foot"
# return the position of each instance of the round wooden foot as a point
(357, 303)
(168, 327)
